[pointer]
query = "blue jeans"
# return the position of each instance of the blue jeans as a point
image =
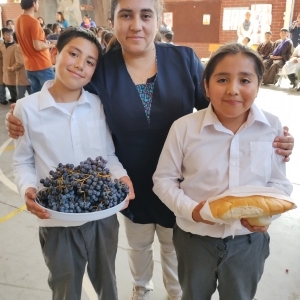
(38, 78)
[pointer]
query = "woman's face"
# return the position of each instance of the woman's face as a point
(58, 17)
(247, 16)
(135, 25)
(86, 20)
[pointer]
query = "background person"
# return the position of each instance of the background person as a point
(61, 20)
(281, 53)
(56, 30)
(295, 31)
(246, 28)
(265, 49)
(87, 22)
(22, 83)
(35, 50)
(42, 22)
(10, 24)
(8, 53)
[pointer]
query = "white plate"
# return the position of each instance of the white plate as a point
(84, 217)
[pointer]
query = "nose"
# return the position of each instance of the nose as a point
(136, 24)
(79, 63)
(232, 88)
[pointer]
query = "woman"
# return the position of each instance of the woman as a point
(61, 20)
(87, 22)
(245, 29)
(56, 30)
(42, 22)
(144, 88)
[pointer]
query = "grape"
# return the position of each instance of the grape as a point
(85, 188)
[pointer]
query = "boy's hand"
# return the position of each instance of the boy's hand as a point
(196, 214)
(13, 125)
(285, 144)
(32, 207)
(131, 194)
(261, 229)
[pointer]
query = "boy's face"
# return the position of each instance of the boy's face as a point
(232, 88)
(268, 37)
(11, 25)
(8, 37)
(76, 63)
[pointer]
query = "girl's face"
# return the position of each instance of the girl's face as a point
(58, 17)
(135, 25)
(86, 20)
(232, 88)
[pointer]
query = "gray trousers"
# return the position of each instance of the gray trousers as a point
(21, 90)
(67, 251)
(235, 263)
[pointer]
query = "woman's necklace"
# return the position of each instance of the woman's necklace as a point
(144, 78)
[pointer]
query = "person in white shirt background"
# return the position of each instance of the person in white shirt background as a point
(65, 124)
(245, 29)
(205, 154)
(292, 68)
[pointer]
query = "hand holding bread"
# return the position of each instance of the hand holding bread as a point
(257, 210)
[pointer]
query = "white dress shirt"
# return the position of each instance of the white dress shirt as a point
(55, 134)
(210, 159)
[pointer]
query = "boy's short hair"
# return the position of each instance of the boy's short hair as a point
(26, 4)
(6, 30)
(76, 32)
(268, 32)
(284, 29)
(247, 38)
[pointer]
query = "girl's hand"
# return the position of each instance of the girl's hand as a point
(261, 229)
(284, 144)
(196, 214)
(13, 125)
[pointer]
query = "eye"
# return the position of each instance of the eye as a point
(73, 54)
(147, 16)
(245, 80)
(222, 80)
(90, 63)
(125, 16)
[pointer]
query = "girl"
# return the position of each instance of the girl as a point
(205, 154)
(61, 20)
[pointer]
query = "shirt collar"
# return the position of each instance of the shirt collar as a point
(255, 115)
(46, 100)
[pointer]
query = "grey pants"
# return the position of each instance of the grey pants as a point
(67, 251)
(236, 264)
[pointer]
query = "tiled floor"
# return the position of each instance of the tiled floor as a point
(23, 275)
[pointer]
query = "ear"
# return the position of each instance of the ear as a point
(54, 52)
(206, 88)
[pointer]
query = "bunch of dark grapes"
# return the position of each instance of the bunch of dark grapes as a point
(82, 189)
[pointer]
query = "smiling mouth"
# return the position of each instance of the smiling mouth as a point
(76, 74)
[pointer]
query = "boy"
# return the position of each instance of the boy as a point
(65, 124)
(246, 41)
(8, 54)
(22, 82)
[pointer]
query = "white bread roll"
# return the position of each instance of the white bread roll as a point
(230, 208)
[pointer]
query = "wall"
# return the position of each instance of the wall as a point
(296, 9)
(278, 8)
(10, 11)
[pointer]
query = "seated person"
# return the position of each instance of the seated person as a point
(292, 67)
(281, 53)
(246, 41)
(265, 49)
(56, 30)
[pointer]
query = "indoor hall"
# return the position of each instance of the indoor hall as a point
(23, 274)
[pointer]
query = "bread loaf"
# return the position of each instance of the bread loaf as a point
(257, 207)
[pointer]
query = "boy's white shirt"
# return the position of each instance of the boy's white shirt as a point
(53, 135)
(212, 159)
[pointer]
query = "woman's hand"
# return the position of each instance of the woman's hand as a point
(31, 205)
(13, 125)
(196, 214)
(261, 229)
(284, 144)
(131, 194)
